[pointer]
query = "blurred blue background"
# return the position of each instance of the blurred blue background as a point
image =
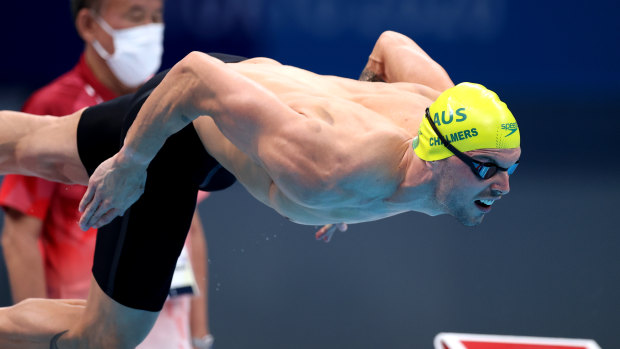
(544, 263)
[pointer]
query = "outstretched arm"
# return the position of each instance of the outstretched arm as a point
(197, 85)
(397, 58)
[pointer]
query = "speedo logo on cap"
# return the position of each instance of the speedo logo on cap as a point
(510, 127)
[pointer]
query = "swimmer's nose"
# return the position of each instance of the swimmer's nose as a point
(501, 183)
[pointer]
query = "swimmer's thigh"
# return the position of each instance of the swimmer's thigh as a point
(136, 254)
(106, 323)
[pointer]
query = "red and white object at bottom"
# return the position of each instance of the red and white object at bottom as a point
(484, 341)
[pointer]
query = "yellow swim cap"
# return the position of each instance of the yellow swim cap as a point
(470, 117)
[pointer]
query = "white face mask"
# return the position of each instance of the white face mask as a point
(137, 51)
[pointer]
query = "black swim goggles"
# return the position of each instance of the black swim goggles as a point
(483, 170)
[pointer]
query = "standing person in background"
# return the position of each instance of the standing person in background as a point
(47, 254)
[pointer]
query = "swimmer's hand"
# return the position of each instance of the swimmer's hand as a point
(114, 186)
(327, 232)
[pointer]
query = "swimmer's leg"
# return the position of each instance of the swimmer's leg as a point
(42, 146)
(108, 324)
(135, 255)
(98, 323)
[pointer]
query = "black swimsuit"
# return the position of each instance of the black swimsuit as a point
(136, 254)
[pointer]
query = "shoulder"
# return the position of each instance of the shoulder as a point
(418, 89)
(261, 60)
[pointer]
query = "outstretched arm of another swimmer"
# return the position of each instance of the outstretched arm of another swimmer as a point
(197, 85)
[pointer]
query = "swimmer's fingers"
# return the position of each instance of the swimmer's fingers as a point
(113, 188)
(87, 198)
(101, 214)
(92, 199)
(321, 233)
(326, 232)
(97, 206)
(113, 202)
(105, 212)
(89, 210)
(89, 214)
(106, 218)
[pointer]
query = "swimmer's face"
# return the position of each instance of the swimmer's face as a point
(465, 196)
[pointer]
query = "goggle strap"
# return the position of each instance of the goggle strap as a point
(447, 144)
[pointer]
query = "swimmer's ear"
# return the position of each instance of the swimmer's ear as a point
(434, 166)
(85, 25)
(438, 166)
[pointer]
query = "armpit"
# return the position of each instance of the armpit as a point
(370, 76)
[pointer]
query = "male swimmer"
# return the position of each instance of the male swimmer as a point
(317, 149)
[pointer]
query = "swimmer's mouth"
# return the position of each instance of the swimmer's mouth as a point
(484, 205)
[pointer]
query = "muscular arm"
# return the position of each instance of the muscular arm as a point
(397, 58)
(202, 85)
(197, 85)
(20, 238)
